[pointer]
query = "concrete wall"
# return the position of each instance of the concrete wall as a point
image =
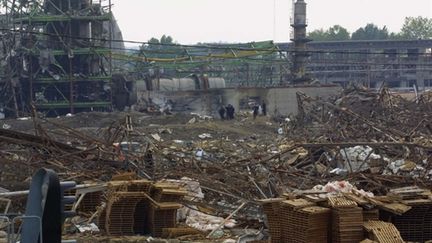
(280, 101)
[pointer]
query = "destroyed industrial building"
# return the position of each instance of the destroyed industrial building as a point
(99, 143)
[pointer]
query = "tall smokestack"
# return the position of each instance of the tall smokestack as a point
(300, 55)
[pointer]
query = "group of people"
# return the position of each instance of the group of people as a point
(229, 111)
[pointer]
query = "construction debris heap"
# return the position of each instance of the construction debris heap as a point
(343, 170)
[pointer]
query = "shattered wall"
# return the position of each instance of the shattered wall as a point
(280, 101)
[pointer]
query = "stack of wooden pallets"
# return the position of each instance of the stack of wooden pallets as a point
(347, 221)
(271, 208)
(302, 221)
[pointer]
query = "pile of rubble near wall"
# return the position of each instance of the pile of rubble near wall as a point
(375, 140)
(378, 138)
(363, 116)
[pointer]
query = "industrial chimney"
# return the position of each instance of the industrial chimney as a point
(300, 55)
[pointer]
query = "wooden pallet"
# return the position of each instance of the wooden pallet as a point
(382, 232)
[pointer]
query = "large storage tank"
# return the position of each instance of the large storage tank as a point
(217, 83)
(175, 84)
(184, 84)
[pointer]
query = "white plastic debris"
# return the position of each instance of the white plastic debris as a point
(69, 115)
(192, 121)
(23, 118)
(150, 239)
(193, 188)
(339, 171)
(194, 192)
(336, 187)
(87, 228)
(357, 156)
(199, 153)
(6, 126)
(365, 193)
(280, 131)
(165, 131)
(205, 135)
(206, 222)
(156, 137)
(395, 166)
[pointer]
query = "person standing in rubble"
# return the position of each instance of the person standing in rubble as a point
(264, 108)
(230, 112)
(255, 111)
(222, 112)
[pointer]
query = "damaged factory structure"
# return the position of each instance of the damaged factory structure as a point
(253, 142)
(57, 56)
(64, 56)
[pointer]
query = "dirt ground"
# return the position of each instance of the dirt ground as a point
(179, 128)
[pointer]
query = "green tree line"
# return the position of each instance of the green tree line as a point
(414, 28)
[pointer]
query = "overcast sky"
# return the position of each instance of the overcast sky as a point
(192, 21)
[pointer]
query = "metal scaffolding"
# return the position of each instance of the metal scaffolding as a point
(257, 64)
(60, 58)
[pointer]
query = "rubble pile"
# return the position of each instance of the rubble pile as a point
(77, 155)
(375, 140)
(359, 115)
(386, 137)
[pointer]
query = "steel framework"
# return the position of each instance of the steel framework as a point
(61, 60)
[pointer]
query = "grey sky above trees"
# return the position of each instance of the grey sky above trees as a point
(413, 28)
(192, 21)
